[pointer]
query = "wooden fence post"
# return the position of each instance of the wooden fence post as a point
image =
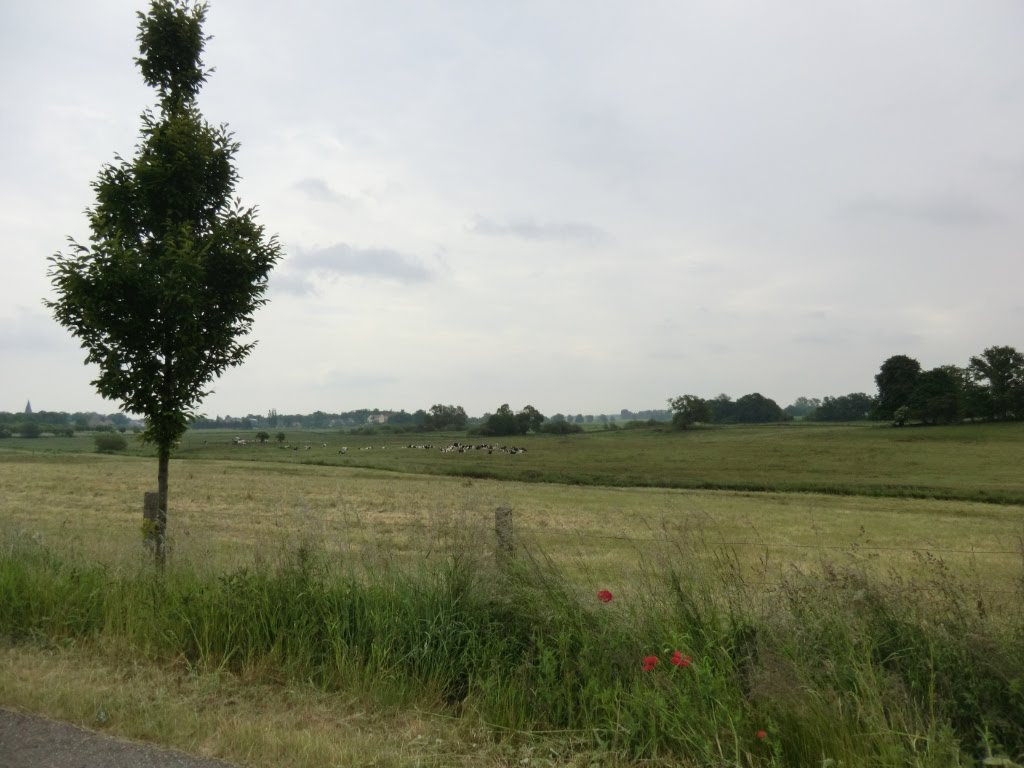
(150, 512)
(503, 528)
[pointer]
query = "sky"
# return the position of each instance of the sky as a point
(583, 206)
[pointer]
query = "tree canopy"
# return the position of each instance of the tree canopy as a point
(754, 408)
(446, 417)
(855, 406)
(895, 381)
(1003, 368)
(687, 410)
(505, 423)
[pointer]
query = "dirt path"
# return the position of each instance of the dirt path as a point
(35, 742)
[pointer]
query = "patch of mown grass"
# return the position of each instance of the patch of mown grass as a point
(223, 514)
(971, 462)
(830, 667)
(968, 462)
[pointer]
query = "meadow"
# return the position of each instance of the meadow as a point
(977, 462)
(855, 596)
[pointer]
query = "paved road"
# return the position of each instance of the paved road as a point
(34, 742)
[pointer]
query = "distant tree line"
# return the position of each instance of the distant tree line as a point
(34, 424)
(856, 406)
(754, 408)
(990, 387)
(505, 423)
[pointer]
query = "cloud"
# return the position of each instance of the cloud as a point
(343, 260)
(949, 212)
(288, 283)
(320, 190)
(528, 229)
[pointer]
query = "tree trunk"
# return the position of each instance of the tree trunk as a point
(164, 455)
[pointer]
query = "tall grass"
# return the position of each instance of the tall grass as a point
(829, 670)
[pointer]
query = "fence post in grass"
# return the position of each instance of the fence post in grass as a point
(150, 511)
(503, 528)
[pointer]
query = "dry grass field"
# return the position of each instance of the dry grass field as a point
(230, 507)
(224, 513)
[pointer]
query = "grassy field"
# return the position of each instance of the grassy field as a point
(979, 462)
(223, 513)
(817, 554)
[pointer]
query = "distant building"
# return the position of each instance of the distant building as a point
(378, 418)
(28, 407)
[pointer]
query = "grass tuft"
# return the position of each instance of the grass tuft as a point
(828, 667)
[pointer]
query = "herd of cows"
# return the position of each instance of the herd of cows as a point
(464, 448)
(455, 447)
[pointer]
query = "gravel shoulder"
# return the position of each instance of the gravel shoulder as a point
(27, 741)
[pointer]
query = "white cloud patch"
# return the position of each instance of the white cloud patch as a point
(302, 273)
(550, 231)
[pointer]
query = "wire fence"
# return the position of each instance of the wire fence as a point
(511, 534)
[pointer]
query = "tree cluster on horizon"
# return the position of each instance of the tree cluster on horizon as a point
(990, 387)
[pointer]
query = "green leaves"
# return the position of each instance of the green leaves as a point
(171, 42)
(175, 266)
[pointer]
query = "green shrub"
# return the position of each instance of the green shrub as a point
(560, 428)
(110, 442)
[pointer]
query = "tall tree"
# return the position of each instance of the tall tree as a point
(722, 409)
(687, 410)
(972, 397)
(895, 380)
(443, 417)
(530, 419)
(1003, 368)
(175, 267)
(935, 399)
(503, 422)
(755, 408)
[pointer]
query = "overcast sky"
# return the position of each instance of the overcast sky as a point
(584, 206)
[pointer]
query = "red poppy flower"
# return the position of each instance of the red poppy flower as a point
(761, 735)
(679, 660)
(604, 596)
(650, 662)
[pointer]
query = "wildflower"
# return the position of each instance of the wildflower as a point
(761, 735)
(679, 660)
(604, 596)
(650, 662)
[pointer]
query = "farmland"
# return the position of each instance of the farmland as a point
(978, 462)
(914, 513)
